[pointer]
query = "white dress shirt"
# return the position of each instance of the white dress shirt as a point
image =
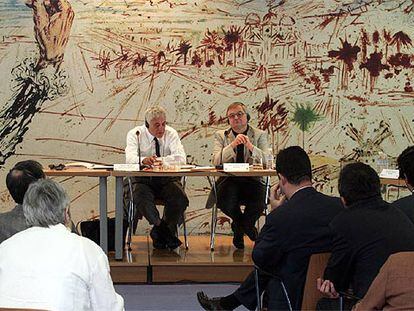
(171, 148)
(54, 269)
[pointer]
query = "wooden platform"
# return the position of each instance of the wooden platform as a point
(197, 264)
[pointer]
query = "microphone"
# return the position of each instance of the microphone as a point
(139, 149)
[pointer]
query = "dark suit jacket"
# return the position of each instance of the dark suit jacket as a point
(293, 232)
(406, 204)
(12, 222)
(366, 233)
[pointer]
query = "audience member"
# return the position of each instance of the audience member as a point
(18, 180)
(48, 267)
(297, 227)
(365, 234)
(406, 166)
(393, 288)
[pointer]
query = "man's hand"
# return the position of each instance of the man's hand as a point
(150, 161)
(277, 198)
(327, 288)
(242, 139)
(52, 23)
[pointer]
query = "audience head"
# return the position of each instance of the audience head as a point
(294, 164)
(405, 163)
(21, 176)
(358, 181)
(155, 121)
(45, 204)
(237, 117)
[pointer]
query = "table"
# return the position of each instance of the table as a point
(103, 193)
(210, 173)
(393, 182)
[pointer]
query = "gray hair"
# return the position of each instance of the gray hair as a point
(154, 112)
(44, 203)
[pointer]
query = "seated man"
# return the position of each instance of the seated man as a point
(18, 180)
(150, 144)
(46, 266)
(297, 227)
(365, 234)
(240, 143)
(393, 288)
(406, 166)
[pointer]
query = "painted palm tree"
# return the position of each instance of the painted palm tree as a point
(388, 39)
(304, 118)
(374, 66)
(232, 38)
(347, 54)
(400, 39)
(182, 50)
(210, 42)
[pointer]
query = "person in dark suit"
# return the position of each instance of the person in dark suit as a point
(18, 180)
(365, 234)
(297, 227)
(405, 163)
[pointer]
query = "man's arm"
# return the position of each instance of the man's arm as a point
(131, 149)
(268, 248)
(176, 148)
(221, 153)
(261, 148)
(102, 292)
(375, 298)
(339, 267)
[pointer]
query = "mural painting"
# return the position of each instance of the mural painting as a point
(335, 77)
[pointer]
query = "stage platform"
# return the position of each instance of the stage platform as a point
(144, 264)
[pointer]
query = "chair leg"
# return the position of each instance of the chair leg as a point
(256, 281)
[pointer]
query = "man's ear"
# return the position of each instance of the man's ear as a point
(283, 179)
(67, 216)
(409, 186)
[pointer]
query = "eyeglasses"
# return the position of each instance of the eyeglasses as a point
(237, 114)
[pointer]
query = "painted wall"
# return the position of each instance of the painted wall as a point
(334, 76)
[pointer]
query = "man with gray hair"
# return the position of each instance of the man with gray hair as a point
(152, 144)
(48, 267)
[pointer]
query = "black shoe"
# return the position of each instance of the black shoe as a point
(171, 240)
(238, 240)
(158, 240)
(251, 232)
(207, 303)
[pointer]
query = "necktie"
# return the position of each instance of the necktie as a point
(157, 147)
(240, 154)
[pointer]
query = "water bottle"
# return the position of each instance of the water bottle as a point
(270, 163)
(382, 162)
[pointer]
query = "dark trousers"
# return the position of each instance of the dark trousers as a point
(146, 190)
(235, 191)
(275, 299)
(326, 304)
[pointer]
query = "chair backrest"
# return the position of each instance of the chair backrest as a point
(311, 295)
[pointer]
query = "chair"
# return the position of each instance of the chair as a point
(158, 202)
(212, 202)
(311, 295)
(316, 268)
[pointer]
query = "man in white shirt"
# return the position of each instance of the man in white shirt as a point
(150, 145)
(48, 267)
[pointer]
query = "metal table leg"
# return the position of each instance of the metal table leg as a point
(103, 219)
(212, 182)
(119, 215)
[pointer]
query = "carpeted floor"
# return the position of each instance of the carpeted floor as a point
(170, 296)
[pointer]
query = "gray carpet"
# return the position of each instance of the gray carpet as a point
(170, 297)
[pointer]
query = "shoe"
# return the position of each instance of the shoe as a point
(238, 240)
(251, 232)
(158, 240)
(170, 239)
(207, 303)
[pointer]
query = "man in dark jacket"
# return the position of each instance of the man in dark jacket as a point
(406, 166)
(18, 180)
(297, 227)
(365, 234)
